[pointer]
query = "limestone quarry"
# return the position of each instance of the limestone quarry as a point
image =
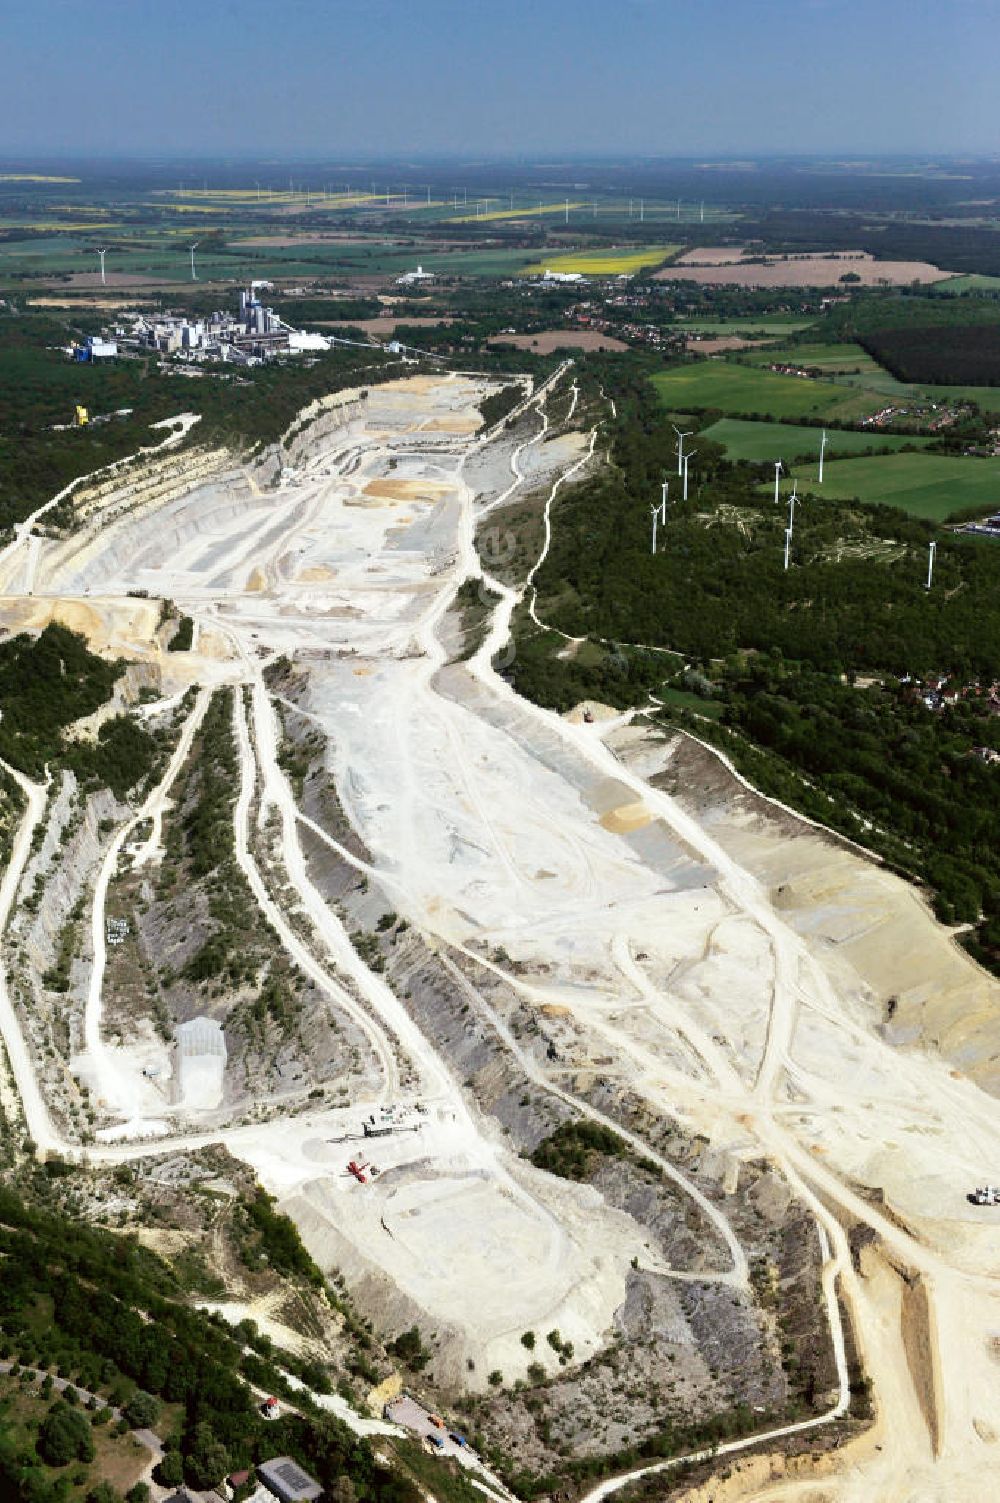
(483, 926)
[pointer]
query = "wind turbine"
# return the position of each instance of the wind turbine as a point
(194, 274)
(931, 550)
(703, 211)
(642, 211)
(663, 501)
(680, 446)
(778, 467)
(822, 447)
(791, 509)
(567, 211)
(678, 210)
(102, 254)
(655, 512)
(688, 456)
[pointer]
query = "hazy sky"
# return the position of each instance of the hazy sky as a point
(498, 77)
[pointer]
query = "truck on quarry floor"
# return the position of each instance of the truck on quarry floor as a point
(985, 1195)
(358, 1170)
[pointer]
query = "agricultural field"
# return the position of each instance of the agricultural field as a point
(527, 211)
(781, 324)
(759, 442)
(925, 485)
(832, 359)
(724, 265)
(740, 389)
(604, 263)
(974, 282)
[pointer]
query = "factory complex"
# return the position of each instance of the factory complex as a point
(252, 335)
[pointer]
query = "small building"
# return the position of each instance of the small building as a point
(288, 1482)
(101, 349)
(410, 277)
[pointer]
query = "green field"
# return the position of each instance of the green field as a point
(832, 358)
(988, 397)
(925, 485)
(745, 389)
(162, 256)
(974, 282)
(768, 323)
(769, 441)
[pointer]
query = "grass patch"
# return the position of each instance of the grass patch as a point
(925, 485)
(745, 390)
(831, 358)
(759, 441)
(769, 323)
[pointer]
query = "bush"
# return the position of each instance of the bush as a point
(64, 1436)
(170, 1471)
(141, 1411)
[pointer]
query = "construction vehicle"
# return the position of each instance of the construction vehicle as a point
(986, 1195)
(436, 1421)
(358, 1170)
(437, 1441)
(81, 417)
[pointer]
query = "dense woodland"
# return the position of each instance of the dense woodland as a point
(48, 682)
(112, 1316)
(962, 354)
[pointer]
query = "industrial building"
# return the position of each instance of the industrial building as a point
(253, 334)
(288, 1482)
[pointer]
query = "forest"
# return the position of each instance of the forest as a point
(111, 1315)
(48, 682)
(956, 355)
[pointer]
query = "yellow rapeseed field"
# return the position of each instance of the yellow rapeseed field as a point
(603, 263)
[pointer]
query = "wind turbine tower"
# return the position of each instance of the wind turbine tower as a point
(788, 544)
(822, 448)
(655, 511)
(567, 211)
(778, 467)
(663, 502)
(642, 211)
(194, 274)
(688, 456)
(931, 551)
(680, 446)
(703, 211)
(791, 510)
(101, 254)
